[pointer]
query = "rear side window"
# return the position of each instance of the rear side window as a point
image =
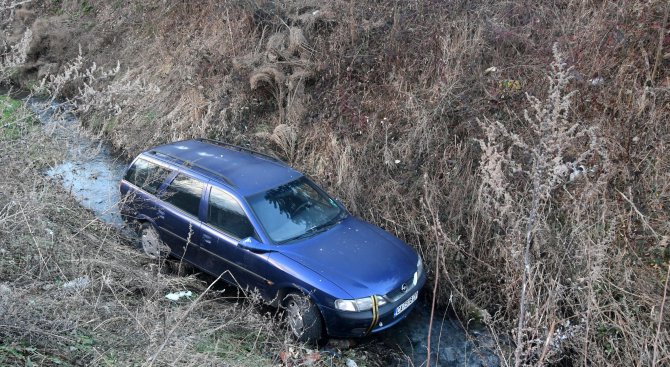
(146, 175)
(184, 193)
(226, 214)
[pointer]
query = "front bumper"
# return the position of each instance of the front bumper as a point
(344, 324)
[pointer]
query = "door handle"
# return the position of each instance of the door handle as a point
(207, 239)
(161, 214)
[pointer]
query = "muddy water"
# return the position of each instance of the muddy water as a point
(91, 173)
(450, 344)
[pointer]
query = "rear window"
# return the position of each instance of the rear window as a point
(184, 193)
(146, 175)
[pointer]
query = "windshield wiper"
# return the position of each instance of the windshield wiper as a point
(309, 233)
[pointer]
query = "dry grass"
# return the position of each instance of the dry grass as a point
(389, 102)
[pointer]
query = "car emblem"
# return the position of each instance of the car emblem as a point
(403, 287)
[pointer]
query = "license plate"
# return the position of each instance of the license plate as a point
(405, 305)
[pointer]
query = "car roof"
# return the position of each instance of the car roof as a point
(247, 171)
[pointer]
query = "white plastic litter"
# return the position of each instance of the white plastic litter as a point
(175, 296)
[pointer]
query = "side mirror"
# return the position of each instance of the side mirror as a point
(255, 245)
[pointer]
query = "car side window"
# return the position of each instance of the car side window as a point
(226, 214)
(184, 192)
(146, 175)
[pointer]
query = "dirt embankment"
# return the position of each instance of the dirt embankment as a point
(413, 114)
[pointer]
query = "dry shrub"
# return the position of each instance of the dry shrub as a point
(283, 74)
(8, 9)
(297, 42)
(91, 88)
(276, 46)
(297, 101)
(523, 211)
(187, 118)
(14, 56)
(286, 137)
(270, 78)
(332, 160)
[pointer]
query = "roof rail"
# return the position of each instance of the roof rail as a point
(188, 163)
(240, 149)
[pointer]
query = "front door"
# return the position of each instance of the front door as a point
(225, 225)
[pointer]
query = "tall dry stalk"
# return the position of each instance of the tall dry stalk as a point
(439, 234)
(549, 134)
(15, 56)
(660, 316)
(553, 132)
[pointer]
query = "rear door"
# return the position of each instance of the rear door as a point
(225, 225)
(178, 216)
(139, 186)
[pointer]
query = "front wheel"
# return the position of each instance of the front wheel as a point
(303, 318)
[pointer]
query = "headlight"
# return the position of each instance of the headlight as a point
(358, 305)
(419, 270)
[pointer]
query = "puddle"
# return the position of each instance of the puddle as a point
(91, 174)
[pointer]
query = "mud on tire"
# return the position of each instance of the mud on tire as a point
(151, 243)
(302, 318)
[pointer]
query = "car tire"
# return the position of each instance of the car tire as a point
(302, 318)
(151, 243)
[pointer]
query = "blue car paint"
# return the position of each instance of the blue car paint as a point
(352, 259)
(355, 244)
(249, 174)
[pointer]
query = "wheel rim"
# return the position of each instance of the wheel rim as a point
(294, 316)
(151, 243)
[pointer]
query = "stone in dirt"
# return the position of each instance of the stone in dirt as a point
(77, 284)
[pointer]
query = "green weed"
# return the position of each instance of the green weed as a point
(15, 119)
(85, 7)
(27, 356)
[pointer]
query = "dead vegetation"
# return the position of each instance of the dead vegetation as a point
(413, 113)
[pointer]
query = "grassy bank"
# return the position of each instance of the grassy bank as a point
(520, 146)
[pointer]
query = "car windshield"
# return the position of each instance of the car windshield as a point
(295, 210)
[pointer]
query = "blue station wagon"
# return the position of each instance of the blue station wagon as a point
(259, 224)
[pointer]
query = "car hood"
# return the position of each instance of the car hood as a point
(359, 257)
